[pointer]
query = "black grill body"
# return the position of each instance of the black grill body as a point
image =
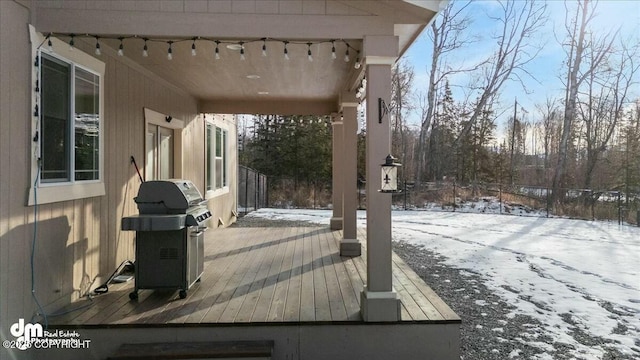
(170, 230)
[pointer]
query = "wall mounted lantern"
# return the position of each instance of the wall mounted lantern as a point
(390, 175)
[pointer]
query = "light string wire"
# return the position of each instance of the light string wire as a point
(216, 42)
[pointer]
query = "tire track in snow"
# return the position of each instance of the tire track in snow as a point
(523, 255)
(531, 232)
(621, 314)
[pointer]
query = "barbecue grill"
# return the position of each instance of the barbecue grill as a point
(170, 230)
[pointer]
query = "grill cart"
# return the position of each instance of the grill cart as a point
(169, 230)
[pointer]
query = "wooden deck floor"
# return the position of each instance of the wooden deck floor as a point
(265, 275)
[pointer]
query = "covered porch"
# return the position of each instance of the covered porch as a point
(315, 292)
(288, 285)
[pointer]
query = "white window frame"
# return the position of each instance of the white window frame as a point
(210, 163)
(51, 192)
(152, 117)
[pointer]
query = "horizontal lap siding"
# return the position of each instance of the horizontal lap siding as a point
(14, 143)
(77, 240)
(264, 7)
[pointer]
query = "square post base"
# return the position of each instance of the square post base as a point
(350, 247)
(335, 223)
(377, 306)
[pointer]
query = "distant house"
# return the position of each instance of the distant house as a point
(87, 86)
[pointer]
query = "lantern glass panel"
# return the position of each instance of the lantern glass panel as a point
(389, 178)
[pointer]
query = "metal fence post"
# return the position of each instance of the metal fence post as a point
(500, 192)
(454, 195)
(547, 201)
(246, 190)
(405, 194)
(619, 208)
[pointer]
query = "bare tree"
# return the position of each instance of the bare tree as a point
(401, 83)
(520, 21)
(448, 33)
(549, 124)
(578, 49)
(602, 111)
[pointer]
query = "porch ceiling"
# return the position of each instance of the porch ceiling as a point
(270, 84)
(258, 84)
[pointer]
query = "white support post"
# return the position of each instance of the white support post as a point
(349, 245)
(337, 170)
(379, 301)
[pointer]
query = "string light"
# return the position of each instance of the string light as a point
(286, 51)
(98, 51)
(239, 45)
(121, 47)
(362, 88)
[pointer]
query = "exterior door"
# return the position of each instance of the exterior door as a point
(159, 147)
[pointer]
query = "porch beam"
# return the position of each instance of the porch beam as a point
(350, 245)
(215, 25)
(272, 106)
(337, 139)
(379, 301)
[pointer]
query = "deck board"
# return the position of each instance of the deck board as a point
(320, 292)
(348, 291)
(265, 275)
(217, 285)
(307, 296)
(292, 307)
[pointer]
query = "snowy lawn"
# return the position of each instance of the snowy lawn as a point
(576, 277)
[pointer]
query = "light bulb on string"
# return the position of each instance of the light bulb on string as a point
(333, 50)
(121, 47)
(49, 43)
(346, 55)
(170, 51)
(217, 52)
(264, 46)
(242, 57)
(309, 56)
(357, 64)
(72, 43)
(98, 51)
(286, 51)
(145, 48)
(193, 48)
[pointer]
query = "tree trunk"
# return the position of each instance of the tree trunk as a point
(575, 58)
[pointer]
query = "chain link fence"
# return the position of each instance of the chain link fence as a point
(252, 190)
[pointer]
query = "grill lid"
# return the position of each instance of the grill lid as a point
(172, 196)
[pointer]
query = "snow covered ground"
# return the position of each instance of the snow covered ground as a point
(581, 279)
